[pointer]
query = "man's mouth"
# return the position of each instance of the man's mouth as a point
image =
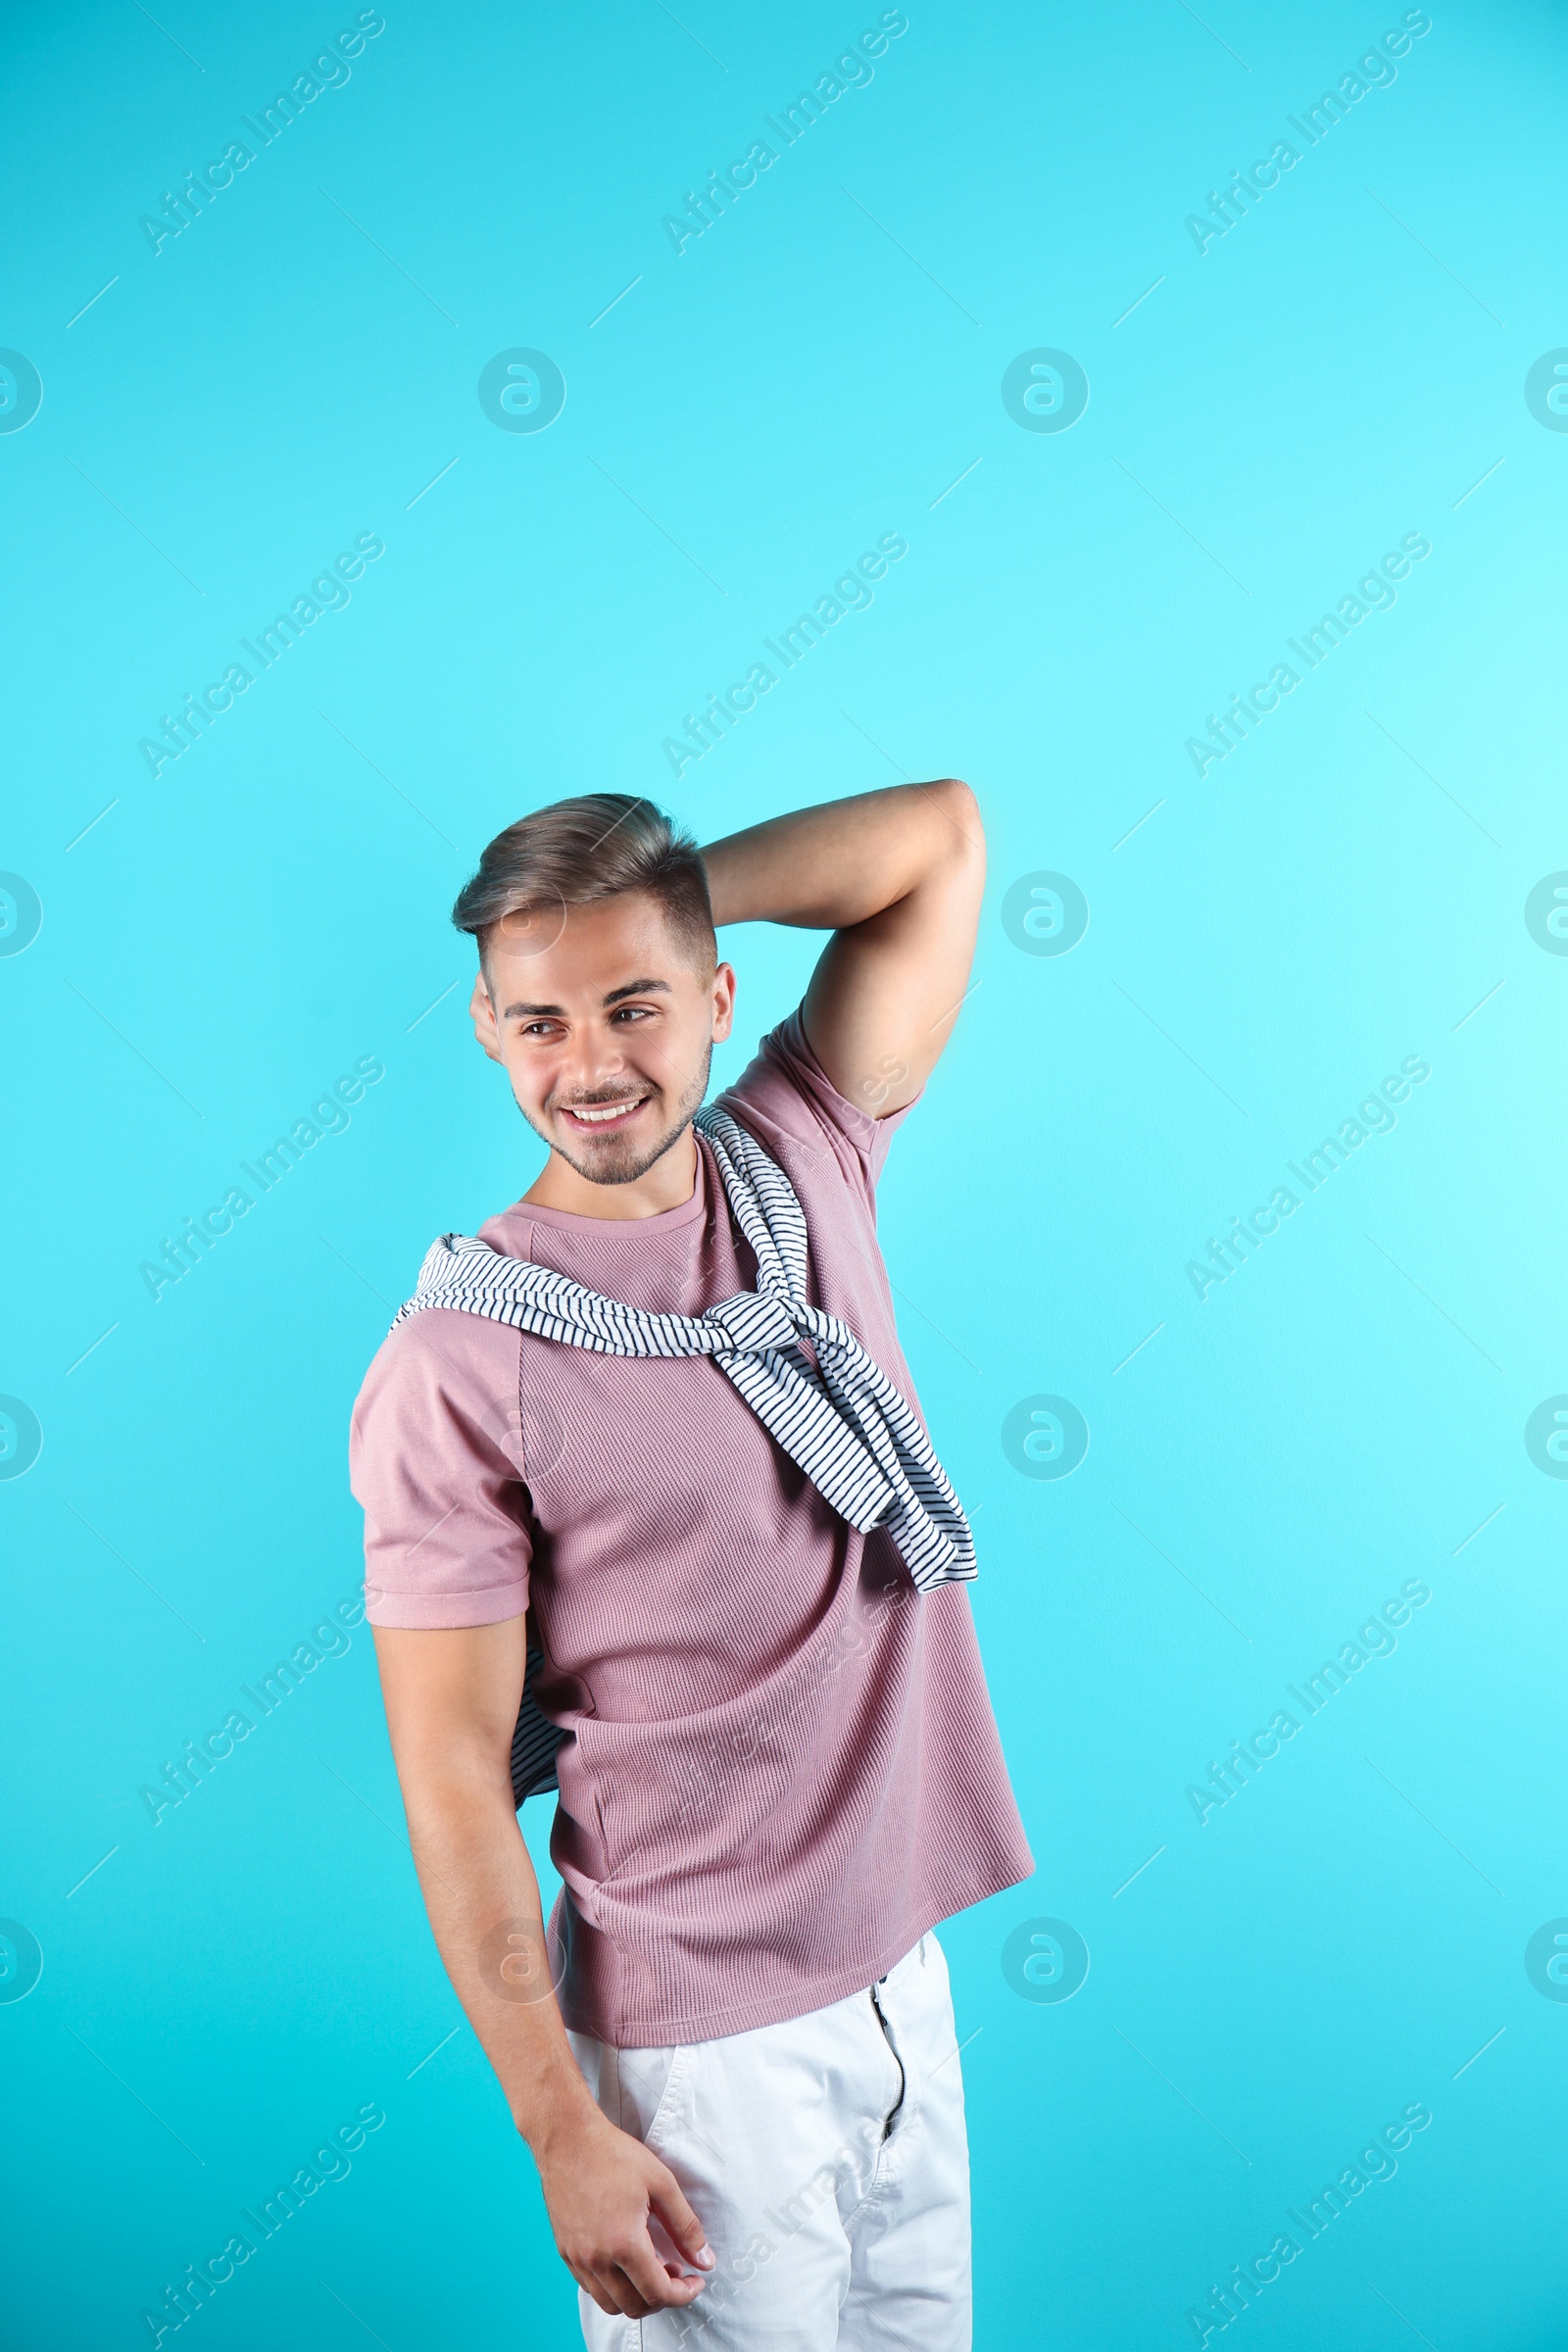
(600, 1118)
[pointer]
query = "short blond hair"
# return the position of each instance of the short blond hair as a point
(597, 846)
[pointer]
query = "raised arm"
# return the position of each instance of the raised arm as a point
(896, 877)
(452, 1701)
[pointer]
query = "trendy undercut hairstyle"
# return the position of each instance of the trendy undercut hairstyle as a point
(576, 851)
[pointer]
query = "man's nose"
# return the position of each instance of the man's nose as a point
(592, 1064)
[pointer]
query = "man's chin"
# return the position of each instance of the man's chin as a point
(615, 1161)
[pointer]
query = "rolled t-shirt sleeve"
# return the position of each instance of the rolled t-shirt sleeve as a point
(433, 1462)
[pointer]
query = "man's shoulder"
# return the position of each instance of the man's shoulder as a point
(437, 1361)
(425, 1323)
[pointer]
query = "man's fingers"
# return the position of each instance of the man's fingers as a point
(588, 2280)
(615, 2294)
(634, 2286)
(679, 2220)
(624, 2229)
(649, 2278)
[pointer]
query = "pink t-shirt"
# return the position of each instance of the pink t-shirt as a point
(785, 1765)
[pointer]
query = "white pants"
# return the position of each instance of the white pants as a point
(826, 2158)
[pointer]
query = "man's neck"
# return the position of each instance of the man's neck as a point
(669, 1184)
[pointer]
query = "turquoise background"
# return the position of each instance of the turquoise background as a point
(1344, 890)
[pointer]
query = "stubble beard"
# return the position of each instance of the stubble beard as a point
(623, 1163)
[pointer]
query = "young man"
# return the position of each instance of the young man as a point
(732, 2054)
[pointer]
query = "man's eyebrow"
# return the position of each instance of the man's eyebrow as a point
(555, 1013)
(639, 988)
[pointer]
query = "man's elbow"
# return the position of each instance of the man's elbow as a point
(961, 808)
(447, 1779)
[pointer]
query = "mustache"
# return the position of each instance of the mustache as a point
(600, 1101)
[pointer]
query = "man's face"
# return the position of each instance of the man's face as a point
(605, 1028)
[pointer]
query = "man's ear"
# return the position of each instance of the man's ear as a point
(723, 1002)
(484, 1020)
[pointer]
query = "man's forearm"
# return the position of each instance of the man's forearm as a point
(451, 1705)
(482, 1898)
(832, 867)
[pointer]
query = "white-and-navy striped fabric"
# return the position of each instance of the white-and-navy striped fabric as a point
(846, 1424)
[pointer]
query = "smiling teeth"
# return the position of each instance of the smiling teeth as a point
(611, 1110)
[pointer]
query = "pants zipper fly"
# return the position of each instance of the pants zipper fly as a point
(881, 2018)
